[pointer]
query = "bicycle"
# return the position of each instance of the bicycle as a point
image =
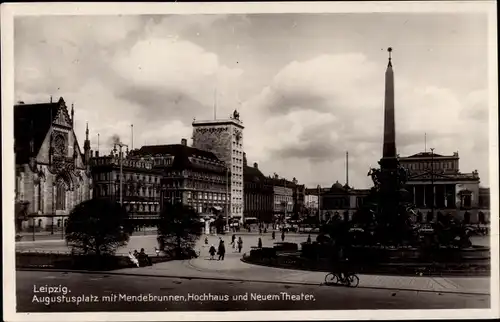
(351, 280)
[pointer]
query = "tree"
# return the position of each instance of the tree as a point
(98, 226)
(179, 228)
(21, 210)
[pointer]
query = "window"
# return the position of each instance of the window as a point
(61, 196)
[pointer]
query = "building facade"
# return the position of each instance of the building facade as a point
(139, 186)
(195, 177)
(52, 174)
(259, 194)
(224, 138)
(283, 197)
(340, 200)
(437, 187)
(311, 201)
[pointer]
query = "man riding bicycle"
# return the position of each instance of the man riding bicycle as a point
(342, 264)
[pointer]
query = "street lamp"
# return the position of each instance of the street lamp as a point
(121, 145)
(319, 203)
(432, 183)
(227, 198)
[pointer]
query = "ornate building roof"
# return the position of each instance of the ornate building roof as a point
(182, 155)
(32, 121)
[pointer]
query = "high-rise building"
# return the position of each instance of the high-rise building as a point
(224, 138)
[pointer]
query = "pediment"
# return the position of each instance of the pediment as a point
(429, 176)
(62, 117)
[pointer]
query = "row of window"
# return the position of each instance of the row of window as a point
(206, 195)
(446, 165)
(142, 207)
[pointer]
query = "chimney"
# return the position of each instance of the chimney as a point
(245, 163)
(96, 154)
(91, 153)
(184, 142)
(255, 165)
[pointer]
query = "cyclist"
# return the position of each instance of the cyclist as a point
(342, 263)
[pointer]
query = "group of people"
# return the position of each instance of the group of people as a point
(221, 249)
(140, 258)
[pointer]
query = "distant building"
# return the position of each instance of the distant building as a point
(224, 138)
(259, 194)
(195, 177)
(52, 174)
(439, 188)
(340, 200)
(283, 197)
(140, 185)
(311, 201)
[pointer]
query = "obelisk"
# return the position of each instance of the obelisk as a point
(389, 159)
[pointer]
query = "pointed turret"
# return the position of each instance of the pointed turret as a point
(86, 146)
(389, 149)
(72, 115)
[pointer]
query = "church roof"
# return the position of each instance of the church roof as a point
(32, 121)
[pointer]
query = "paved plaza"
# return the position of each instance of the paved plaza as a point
(233, 269)
(193, 295)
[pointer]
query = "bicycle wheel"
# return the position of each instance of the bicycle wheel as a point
(353, 280)
(331, 278)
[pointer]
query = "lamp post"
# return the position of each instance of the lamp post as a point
(319, 203)
(432, 183)
(121, 145)
(227, 198)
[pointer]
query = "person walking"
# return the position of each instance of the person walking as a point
(273, 235)
(283, 235)
(309, 239)
(206, 240)
(212, 252)
(259, 244)
(233, 241)
(240, 244)
(222, 250)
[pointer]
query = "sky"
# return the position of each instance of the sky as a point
(308, 87)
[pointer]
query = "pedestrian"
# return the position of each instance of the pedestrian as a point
(206, 240)
(265, 230)
(259, 245)
(222, 250)
(240, 244)
(283, 235)
(273, 235)
(212, 252)
(309, 239)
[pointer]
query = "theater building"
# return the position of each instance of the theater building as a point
(195, 177)
(437, 188)
(52, 174)
(259, 194)
(140, 184)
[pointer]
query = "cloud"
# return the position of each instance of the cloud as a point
(316, 110)
(303, 101)
(172, 77)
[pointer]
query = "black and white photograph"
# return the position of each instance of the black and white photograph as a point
(250, 161)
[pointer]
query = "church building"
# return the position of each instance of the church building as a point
(52, 174)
